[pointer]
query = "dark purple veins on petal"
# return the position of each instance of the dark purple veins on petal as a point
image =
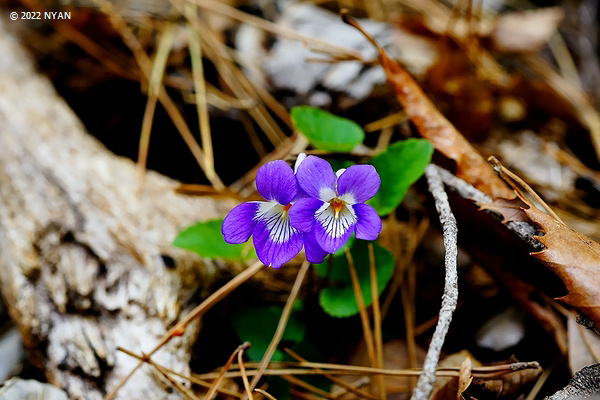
(239, 223)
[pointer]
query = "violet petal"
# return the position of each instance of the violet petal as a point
(276, 242)
(314, 253)
(358, 183)
(332, 233)
(239, 223)
(302, 213)
(316, 177)
(276, 181)
(368, 223)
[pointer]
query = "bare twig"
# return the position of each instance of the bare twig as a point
(450, 297)
(525, 230)
(287, 310)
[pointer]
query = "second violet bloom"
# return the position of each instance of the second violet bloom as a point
(334, 208)
(268, 222)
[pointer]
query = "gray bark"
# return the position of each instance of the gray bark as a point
(585, 384)
(80, 254)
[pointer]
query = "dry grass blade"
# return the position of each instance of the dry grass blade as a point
(514, 178)
(540, 383)
(307, 386)
(165, 45)
(403, 260)
(376, 321)
(182, 389)
(243, 347)
(200, 89)
(312, 368)
(386, 122)
(335, 380)
(362, 310)
(287, 310)
(233, 77)
(146, 67)
(192, 379)
(281, 151)
(179, 328)
(217, 382)
(408, 299)
(265, 393)
(224, 9)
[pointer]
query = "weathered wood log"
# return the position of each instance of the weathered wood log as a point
(85, 263)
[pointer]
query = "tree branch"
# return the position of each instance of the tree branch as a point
(450, 297)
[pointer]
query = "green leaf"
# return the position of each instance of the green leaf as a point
(326, 131)
(399, 166)
(257, 325)
(338, 300)
(205, 238)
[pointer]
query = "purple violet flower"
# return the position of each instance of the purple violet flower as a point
(268, 222)
(335, 207)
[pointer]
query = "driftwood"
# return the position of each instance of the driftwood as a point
(85, 264)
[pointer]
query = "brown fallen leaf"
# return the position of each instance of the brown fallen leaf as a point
(501, 380)
(432, 125)
(575, 258)
(510, 209)
(464, 377)
(449, 388)
(507, 386)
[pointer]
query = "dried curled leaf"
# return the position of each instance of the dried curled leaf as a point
(433, 126)
(475, 382)
(575, 258)
(510, 209)
(507, 386)
(464, 377)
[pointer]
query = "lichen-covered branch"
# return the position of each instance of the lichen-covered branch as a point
(450, 297)
(86, 264)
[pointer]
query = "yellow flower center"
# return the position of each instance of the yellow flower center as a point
(337, 206)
